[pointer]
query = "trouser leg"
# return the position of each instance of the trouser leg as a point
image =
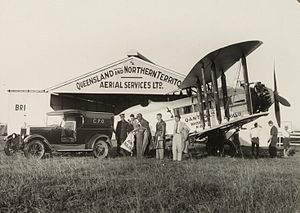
(139, 145)
(186, 146)
(134, 148)
(288, 150)
(120, 151)
(272, 151)
(179, 155)
(252, 148)
(275, 151)
(161, 154)
(145, 141)
(118, 146)
(288, 147)
(160, 149)
(174, 149)
(257, 150)
(180, 150)
(232, 149)
(156, 148)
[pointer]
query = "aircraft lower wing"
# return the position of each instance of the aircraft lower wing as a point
(236, 123)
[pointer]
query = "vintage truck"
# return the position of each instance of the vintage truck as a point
(66, 131)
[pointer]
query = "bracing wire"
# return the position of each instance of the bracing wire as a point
(237, 81)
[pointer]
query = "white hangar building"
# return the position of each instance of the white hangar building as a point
(113, 88)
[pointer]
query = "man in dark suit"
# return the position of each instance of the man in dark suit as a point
(160, 136)
(131, 121)
(273, 140)
(123, 128)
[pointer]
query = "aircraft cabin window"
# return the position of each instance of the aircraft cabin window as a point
(177, 111)
(196, 106)
(187, 109)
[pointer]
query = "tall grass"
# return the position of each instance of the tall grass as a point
(85, 184)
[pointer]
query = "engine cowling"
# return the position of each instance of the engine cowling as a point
(262, 97)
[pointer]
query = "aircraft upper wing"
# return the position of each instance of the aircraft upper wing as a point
(223, 58)
(236, 123)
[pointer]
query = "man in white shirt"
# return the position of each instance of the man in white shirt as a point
(254, 135)
(180, 135)
(286, 141)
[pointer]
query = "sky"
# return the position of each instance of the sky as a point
(45, 42)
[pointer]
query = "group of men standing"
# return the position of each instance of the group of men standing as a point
(273, 139)
(141, 129)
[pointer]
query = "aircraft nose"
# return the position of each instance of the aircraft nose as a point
(262, 97)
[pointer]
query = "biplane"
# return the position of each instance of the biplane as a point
(212, 109)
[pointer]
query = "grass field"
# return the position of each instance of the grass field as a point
(211, 184)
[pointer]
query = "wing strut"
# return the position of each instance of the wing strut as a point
(216, 92)
(205, 95)
(247, 85)
(200, 103)
(225, 96)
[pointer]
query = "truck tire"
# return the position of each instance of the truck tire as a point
(34, 149)
(100, 149)
(9, 148)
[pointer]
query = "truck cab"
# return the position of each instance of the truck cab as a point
(71, 131)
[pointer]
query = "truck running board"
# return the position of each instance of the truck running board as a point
(74, 150)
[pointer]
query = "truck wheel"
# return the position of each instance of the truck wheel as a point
(100, 149)
(34, 149)
(9, 148)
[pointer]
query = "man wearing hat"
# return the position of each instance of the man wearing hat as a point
(160, 136)
(180, 134)
(123, 128)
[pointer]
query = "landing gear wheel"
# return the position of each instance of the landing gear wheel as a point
(34, 149)
(100, 149)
